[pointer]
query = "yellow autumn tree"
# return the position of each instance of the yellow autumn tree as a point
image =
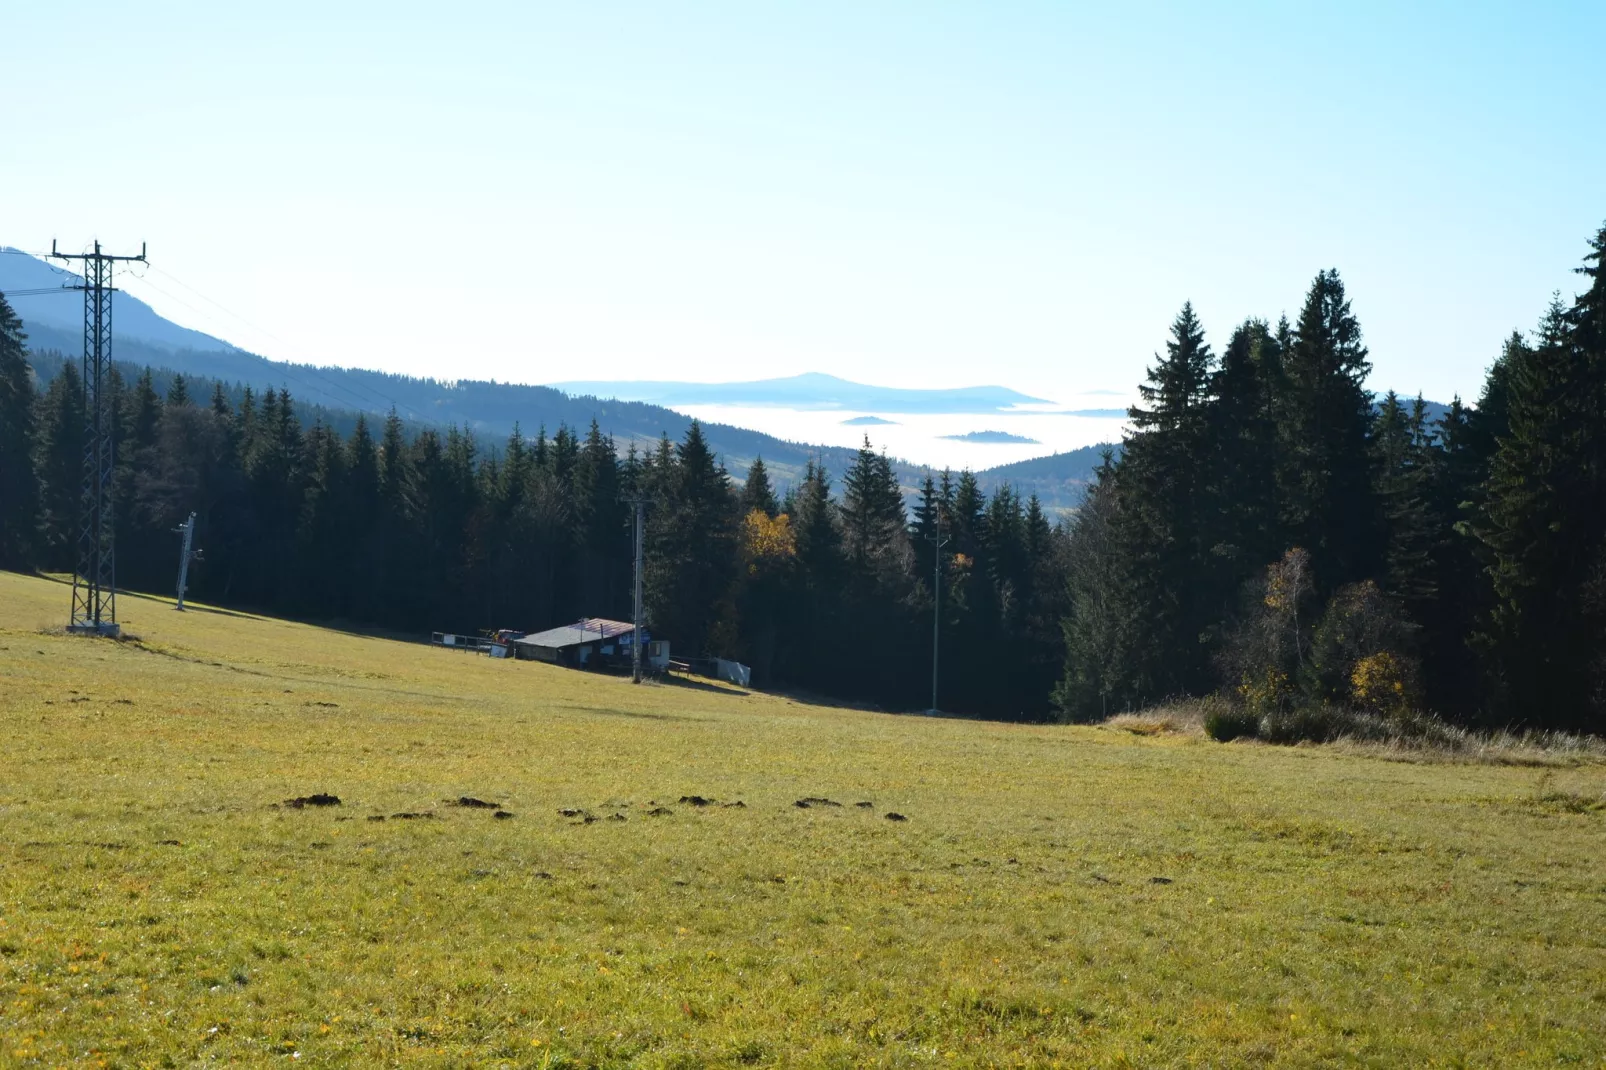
(767, 540)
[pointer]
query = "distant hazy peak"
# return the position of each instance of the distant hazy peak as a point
(809, 390)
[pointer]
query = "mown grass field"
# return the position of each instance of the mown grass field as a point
(1057, 896)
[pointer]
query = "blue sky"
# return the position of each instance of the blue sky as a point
(908, 194)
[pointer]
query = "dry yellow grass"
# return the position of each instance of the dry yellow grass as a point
(1071, 896)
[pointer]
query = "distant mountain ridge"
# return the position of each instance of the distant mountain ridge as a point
(491, 410)
(60, 312)
(812, 390)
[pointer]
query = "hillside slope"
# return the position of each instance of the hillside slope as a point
(143, 338)
(1071, 894)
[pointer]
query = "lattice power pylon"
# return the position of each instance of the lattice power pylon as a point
(94, 584)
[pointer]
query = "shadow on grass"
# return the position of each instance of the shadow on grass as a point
(698, 685)
(635, 715)
(336, 625)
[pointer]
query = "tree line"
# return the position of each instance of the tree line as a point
(1269, 533)
(1273, 534)
(825, 586)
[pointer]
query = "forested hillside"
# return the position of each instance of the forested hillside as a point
(1270, 532)
(427, 530)
(490, 410)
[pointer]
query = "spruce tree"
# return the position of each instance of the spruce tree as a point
(1241, 535)
(602, 529)
(59, 460)
(1098, 625)
(1543, 521)
(815, 639)
(1401, 484)
(1161, 526)
(19, 484)
(1324, 420)
(693, 546)
(757, 493)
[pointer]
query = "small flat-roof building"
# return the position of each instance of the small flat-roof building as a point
(591, 642)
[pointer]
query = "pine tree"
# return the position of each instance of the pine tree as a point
(59, 460)
(813, 641)
(1324, 419)
(1161, 526)
(1401, 485)
(693, 546)
(1041, 651)
(757, 493)
(325, 552)
(19, 484)
(602, 528)
(1491, 420)
(1241, 526)
(1454, 471)
(872, 512)
(877, 555)
(1098, 624)
(1543, 522)
(362, 524)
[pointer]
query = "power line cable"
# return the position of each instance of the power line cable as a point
(350, 398)
(349, 392)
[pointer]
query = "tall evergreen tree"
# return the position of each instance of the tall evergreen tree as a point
(757, 493)
(1242, 533)
(1098, 624)
(1543, 523)
(1324, 420)
(19, 484)
(603, 528)
(1162, 479)
(692, 563)
(59, 460)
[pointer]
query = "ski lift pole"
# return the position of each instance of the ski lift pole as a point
(187, 529)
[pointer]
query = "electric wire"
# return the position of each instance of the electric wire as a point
(336, 390)
(348, 391)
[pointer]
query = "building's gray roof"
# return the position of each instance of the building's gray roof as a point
(589, 630)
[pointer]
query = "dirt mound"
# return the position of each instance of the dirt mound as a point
(476, 804)
(893, 815)
(696, 800)
(318, 799)
(804, 804)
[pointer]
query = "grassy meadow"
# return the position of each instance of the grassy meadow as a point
(1056, 895)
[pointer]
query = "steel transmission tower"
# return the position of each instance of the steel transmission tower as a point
(94, 584)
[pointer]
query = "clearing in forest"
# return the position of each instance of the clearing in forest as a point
(642, 887)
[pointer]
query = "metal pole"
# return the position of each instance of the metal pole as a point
(187, 529)
(635, 645)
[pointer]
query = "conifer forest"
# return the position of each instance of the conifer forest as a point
(1271, 534)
